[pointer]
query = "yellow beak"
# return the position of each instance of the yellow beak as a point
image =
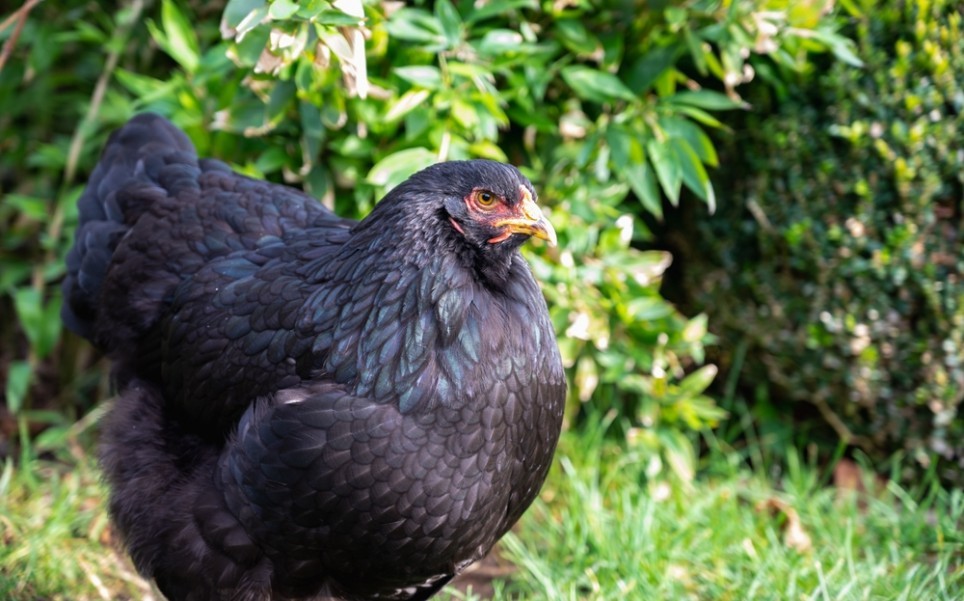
(532, 222)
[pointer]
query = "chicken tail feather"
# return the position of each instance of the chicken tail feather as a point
(132, 155)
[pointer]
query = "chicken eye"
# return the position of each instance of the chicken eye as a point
(485, 198)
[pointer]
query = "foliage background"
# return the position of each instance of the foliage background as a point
(833, 270)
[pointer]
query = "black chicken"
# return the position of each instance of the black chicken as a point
(311, 407)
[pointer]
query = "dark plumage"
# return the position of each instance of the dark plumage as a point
(308, 406)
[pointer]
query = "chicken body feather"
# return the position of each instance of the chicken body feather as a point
(308, 406)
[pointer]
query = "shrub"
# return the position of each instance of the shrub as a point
(837, 257)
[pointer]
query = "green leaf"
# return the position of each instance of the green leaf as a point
(84, 32)
(335, 18)
(397, 167)
(248, 47)
(251, 23)
(354, 147)
(492, 8)
(706, 99)
(706, 409)
(697, 382)
(620, 144)
(450, 20)
(699, 115)
(693, 173)
(668, 171)
(408, 101)
(464, 113)
(29, 307)
(51, 439)
(426, 76)
(675, 127)
(40, 321)
(18, 382)
(501, 41)
(318, 182)
(416, 25)
(418, 121)
(841, 47)
(644, 72)
(629, 161)
(487, 150)
(696, 51)
(596, 86)
(332, 113)
(145, 87)
(345, 14)
(676, 17)
(48, 156)
(470, 71)
(35, 208)
(696, 328)
(237, 12)
(178, 38)
(282, 9)
(271, 161)
(648, 308)
(667, 82)
(643, 183)
(279, 101)
(587, 149)
(576, 37)
(13, 274)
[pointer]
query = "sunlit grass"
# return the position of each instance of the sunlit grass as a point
(603, 531)
(55, 535)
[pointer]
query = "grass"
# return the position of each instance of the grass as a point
(601, 530)
(55, 539)
(51, 539)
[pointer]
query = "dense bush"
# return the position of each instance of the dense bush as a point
(837, 256)
(600, 103)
